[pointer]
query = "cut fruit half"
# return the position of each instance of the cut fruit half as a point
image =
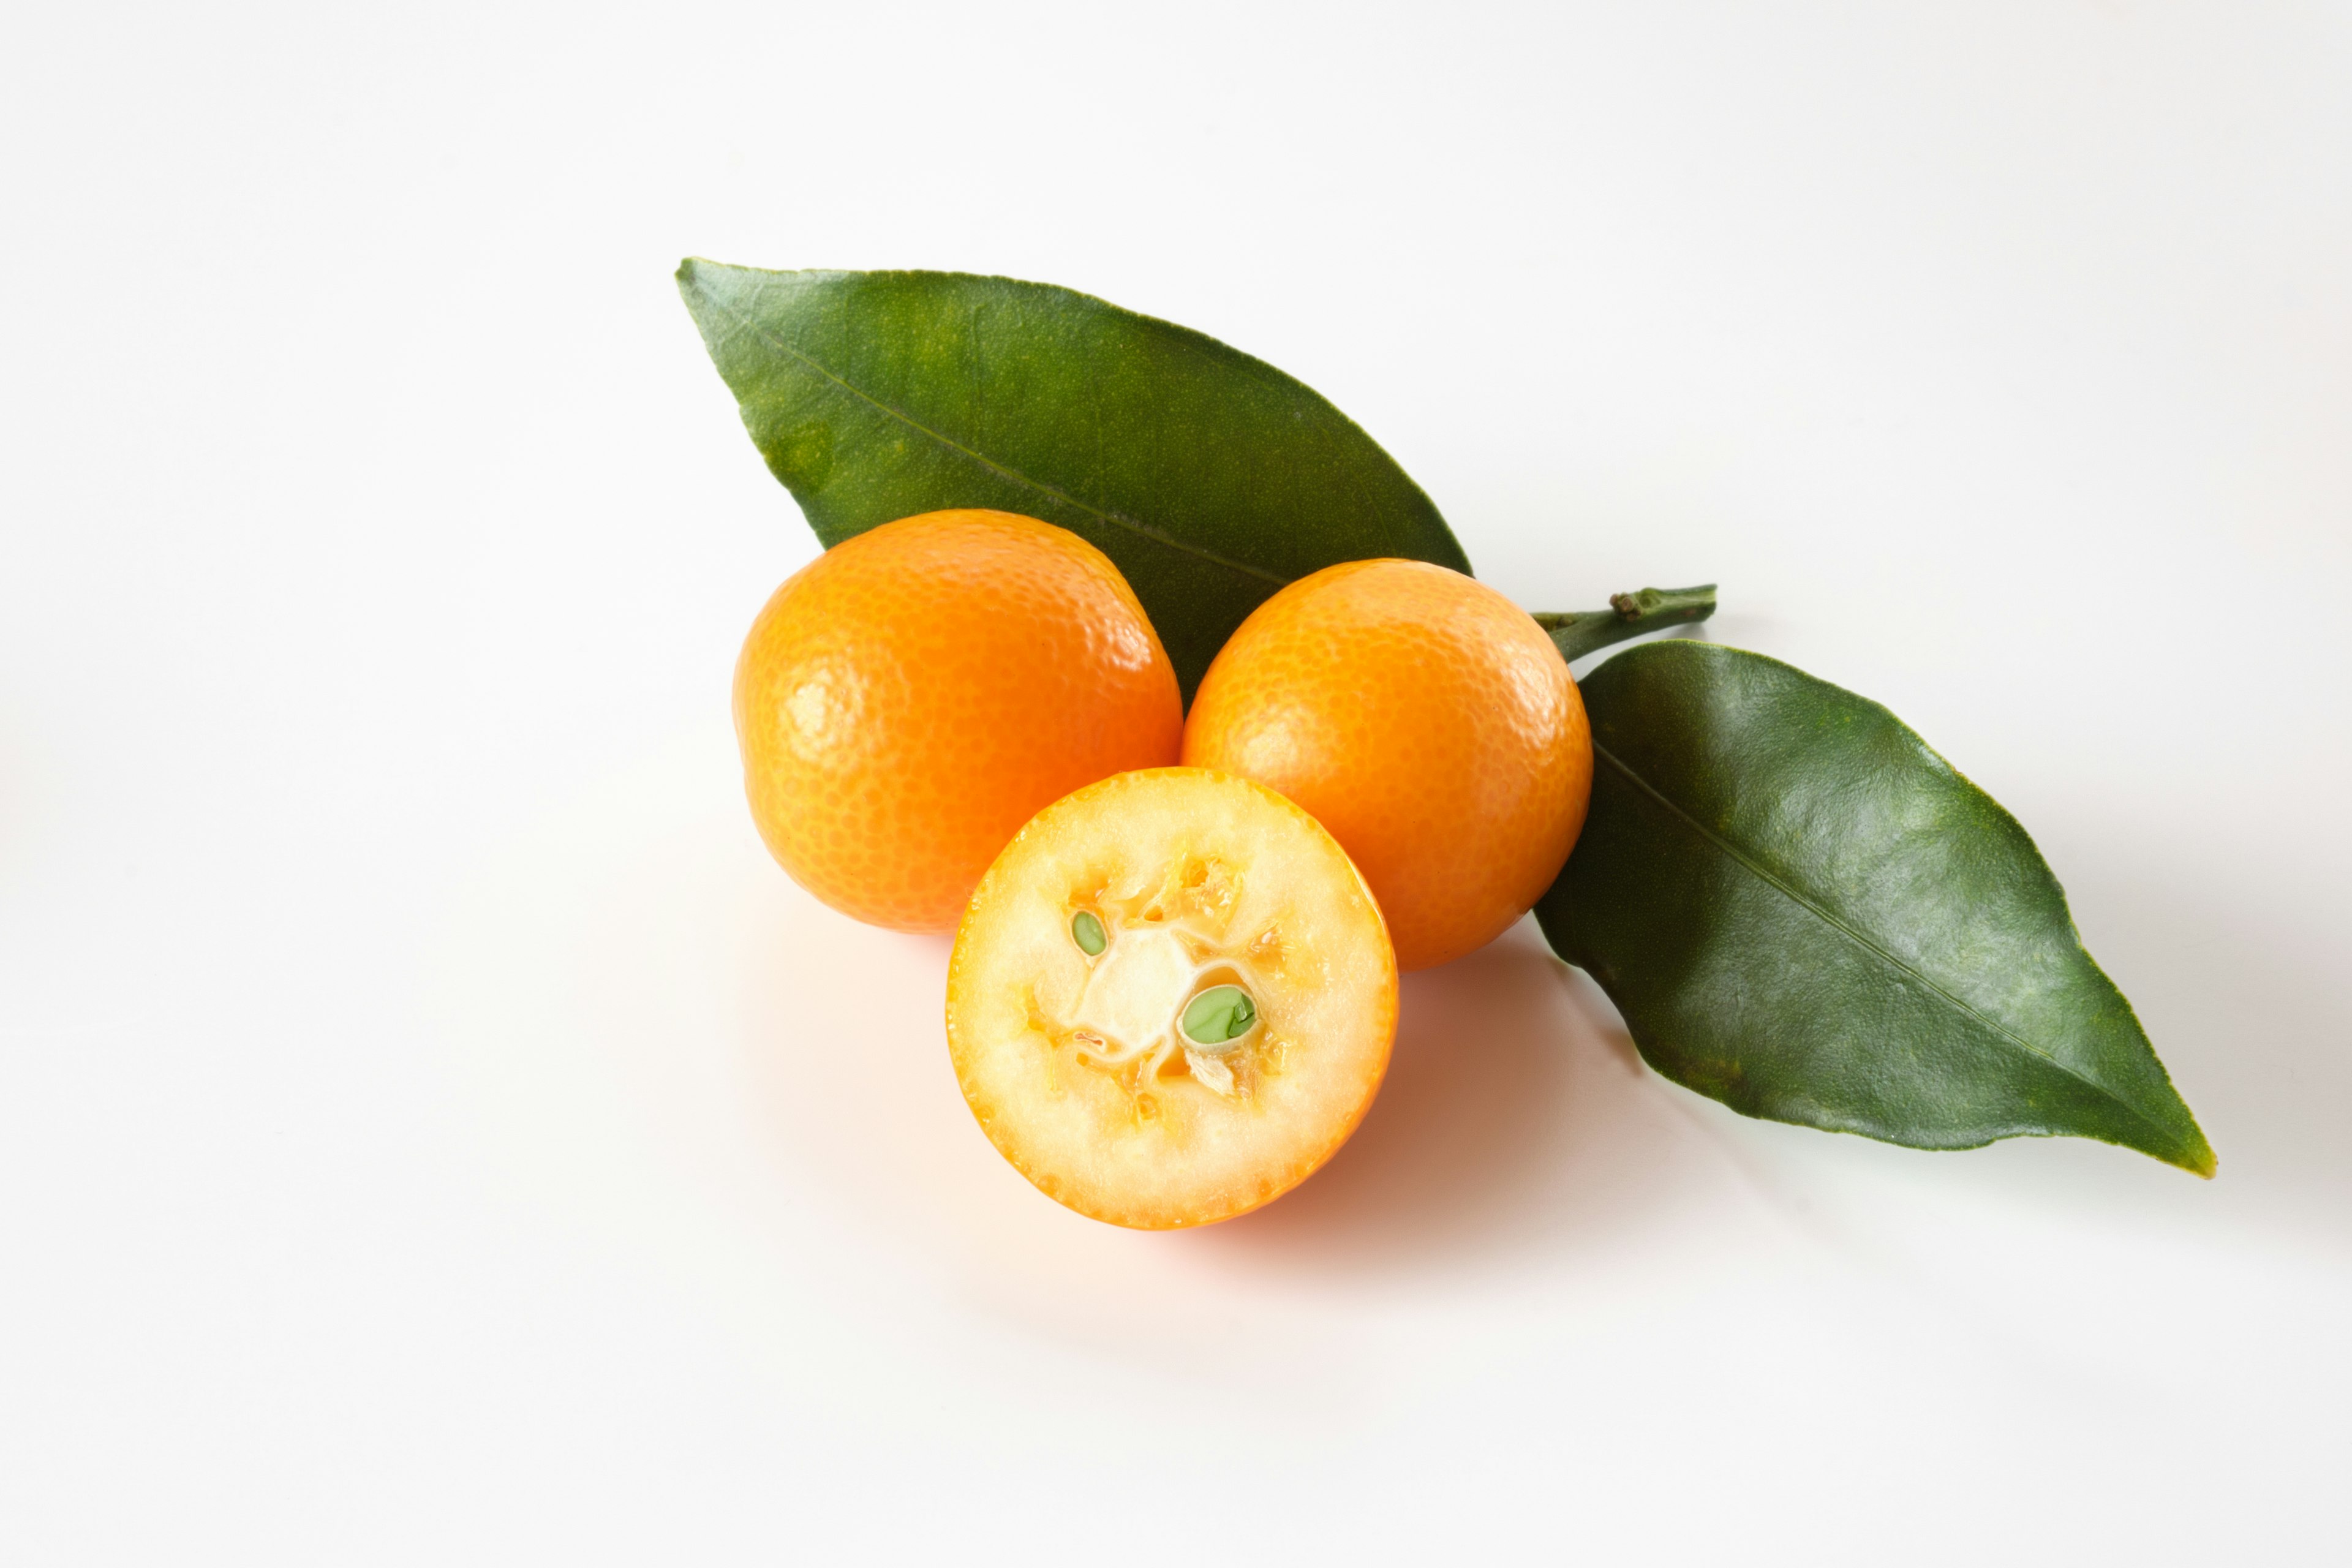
(1171, 998)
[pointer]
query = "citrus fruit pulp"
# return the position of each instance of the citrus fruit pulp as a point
(1424, 719)
(910, 697)
(1171, 998)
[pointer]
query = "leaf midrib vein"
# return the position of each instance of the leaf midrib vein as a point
(1860, 940)
(1141, 530)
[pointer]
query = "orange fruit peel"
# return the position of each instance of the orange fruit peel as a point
(1424, 719)
(910, 698)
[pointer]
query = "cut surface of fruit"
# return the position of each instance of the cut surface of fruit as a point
(1171, 998)
(1428, 722)
(914, 695)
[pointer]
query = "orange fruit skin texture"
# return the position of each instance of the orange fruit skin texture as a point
(910, 698)
(1424, 719)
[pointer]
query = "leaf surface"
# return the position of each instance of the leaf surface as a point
(1805, 913)
(1210, 477)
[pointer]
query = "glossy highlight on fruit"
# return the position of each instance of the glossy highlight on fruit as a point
(1223, 1041)
(910, 698)
(1424, 719)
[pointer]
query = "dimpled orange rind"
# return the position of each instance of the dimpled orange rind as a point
(1424, 719)
(910, 698)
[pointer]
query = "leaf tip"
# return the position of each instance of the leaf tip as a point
(2190, 1152)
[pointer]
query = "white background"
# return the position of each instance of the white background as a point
(431, 1129)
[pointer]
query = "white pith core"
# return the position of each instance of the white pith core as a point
(1136, 993)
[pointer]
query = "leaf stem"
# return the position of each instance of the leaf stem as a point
(1580, 632)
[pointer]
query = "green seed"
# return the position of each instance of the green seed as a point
(1087, 932)
(1221, 1013)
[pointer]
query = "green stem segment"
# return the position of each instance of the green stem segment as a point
(1580, 632)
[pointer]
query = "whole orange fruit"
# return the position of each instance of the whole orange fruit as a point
(907, 700)
(1424, 719)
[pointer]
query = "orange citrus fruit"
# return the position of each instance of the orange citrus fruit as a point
(1171, 998)
(1424, 719)
(907, 700)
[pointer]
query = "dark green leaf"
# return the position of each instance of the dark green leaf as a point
(1805, 913)
(1210, 477)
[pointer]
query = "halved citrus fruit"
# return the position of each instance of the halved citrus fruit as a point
(1171, 998)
